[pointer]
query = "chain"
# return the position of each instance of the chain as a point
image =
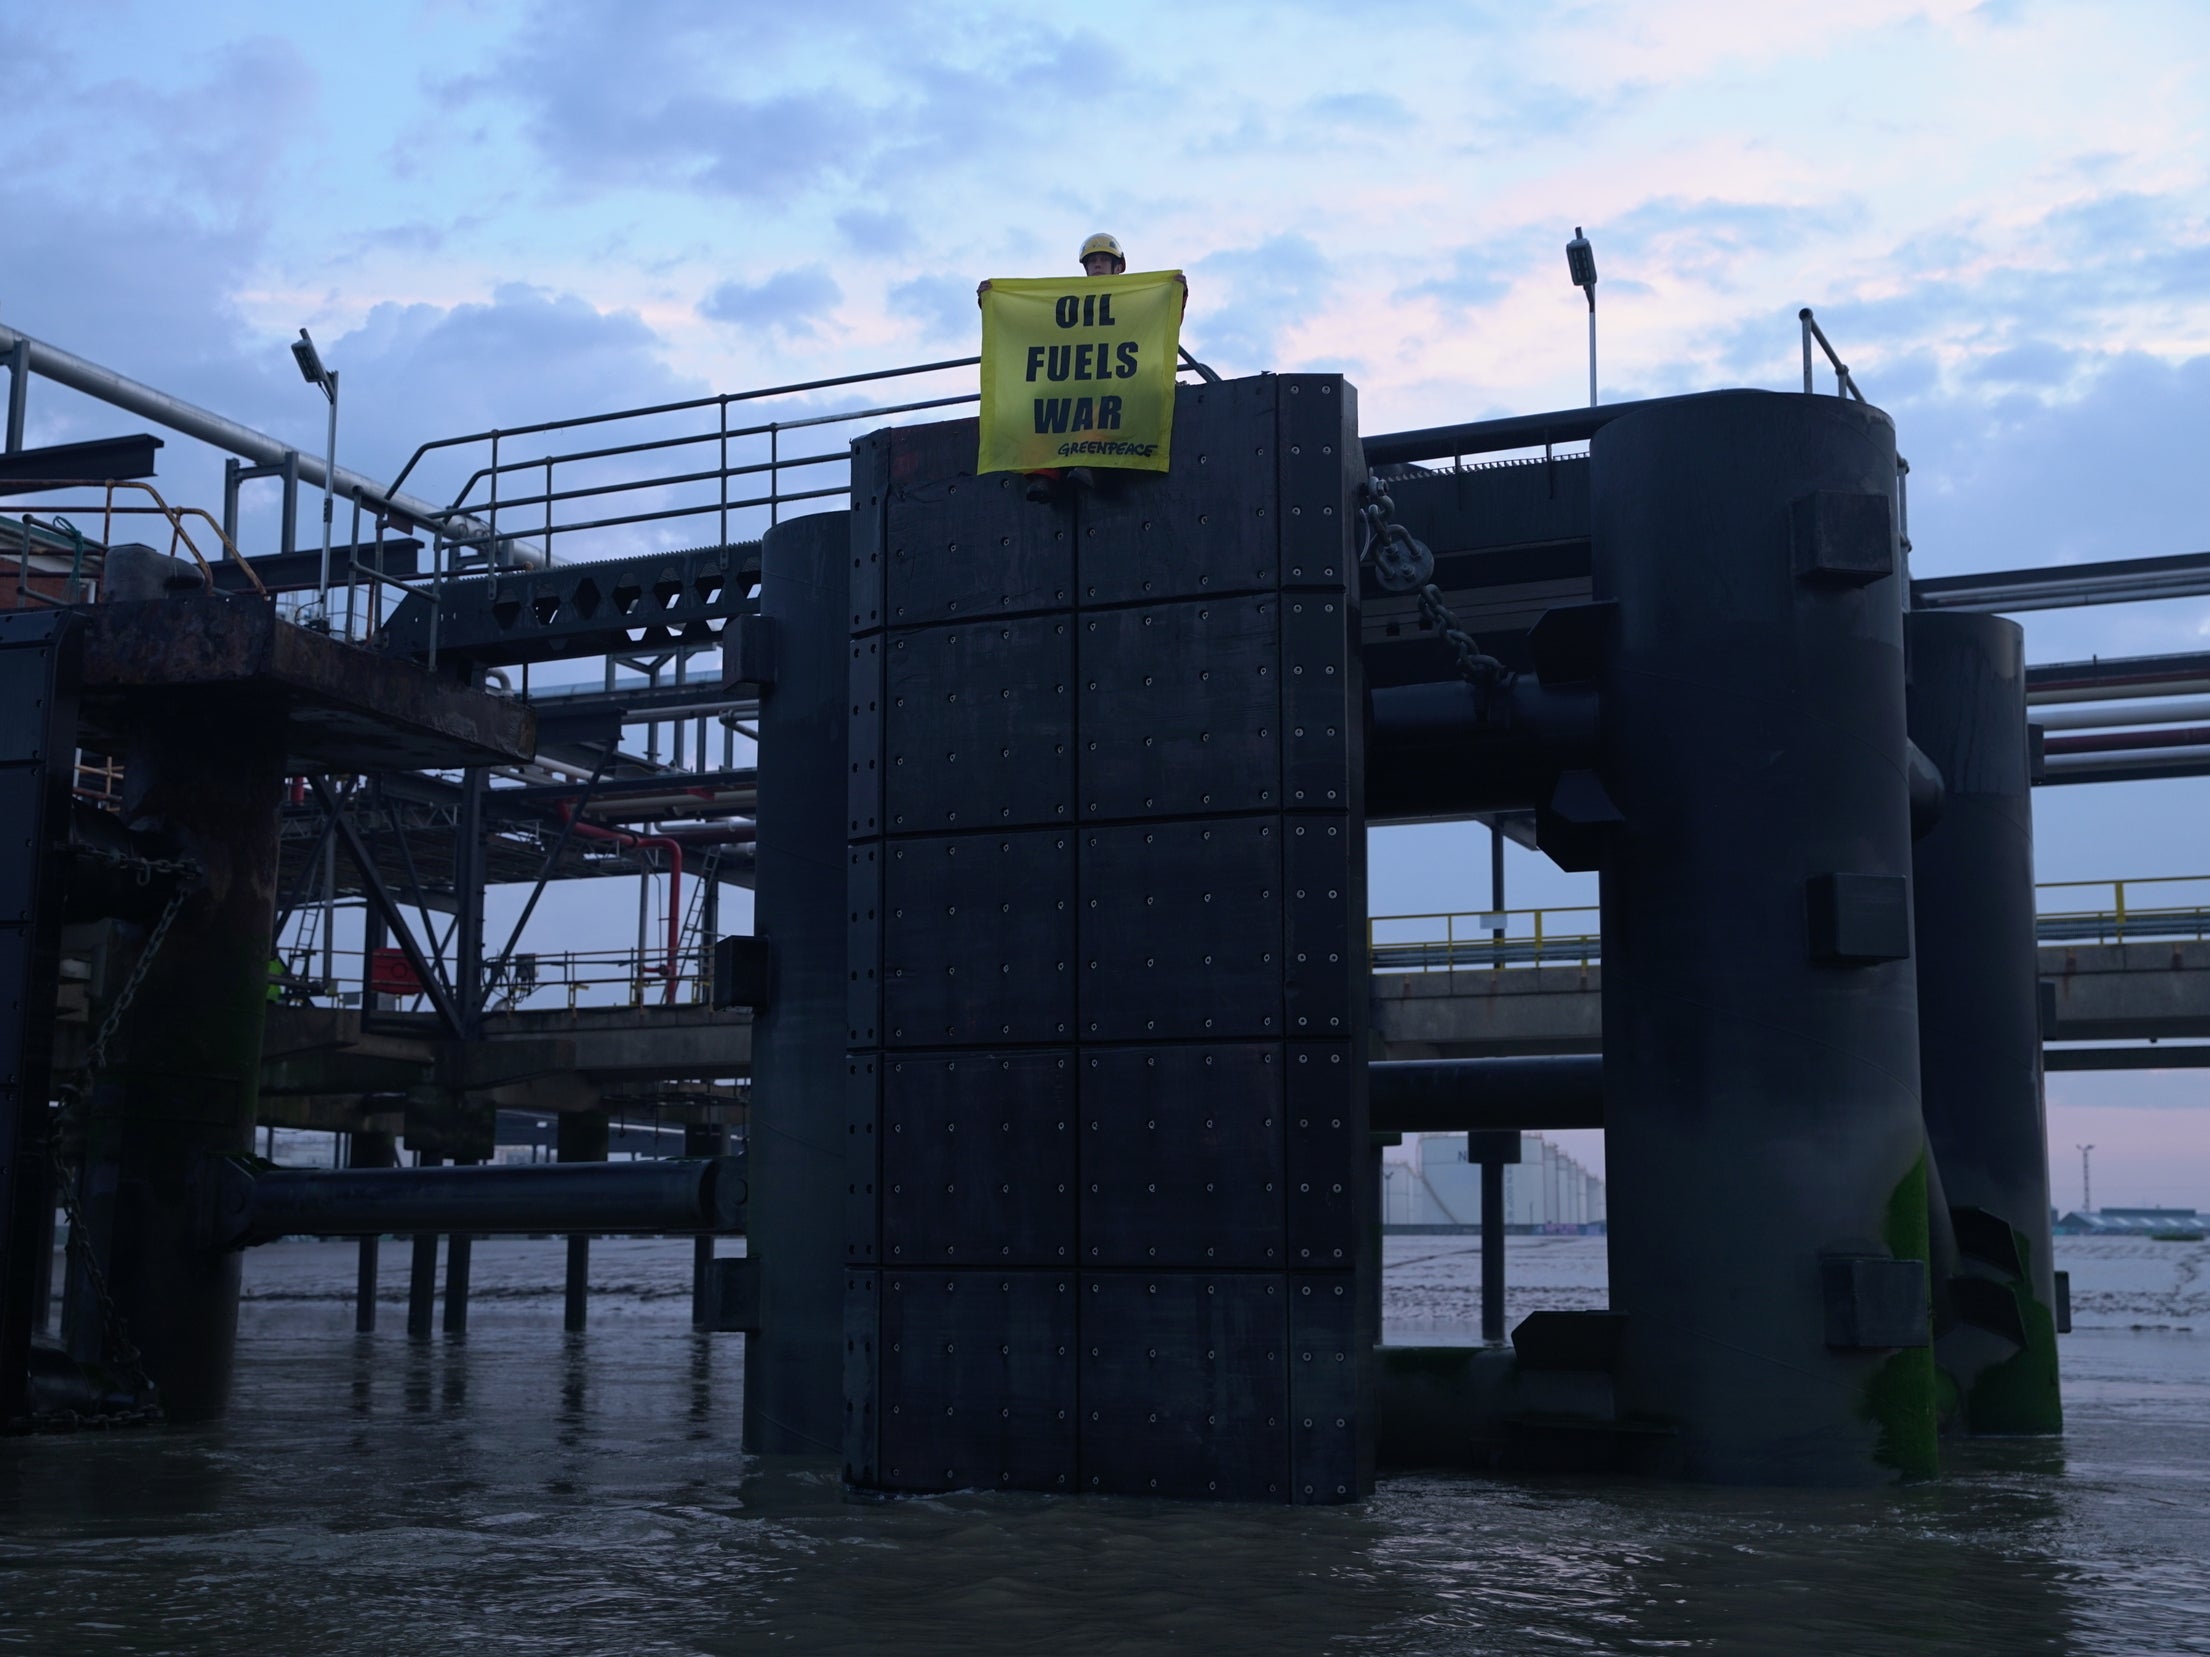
(188, 871)
(1400, 560)
(1483, 672)
(121, 1349)
(1402, 563)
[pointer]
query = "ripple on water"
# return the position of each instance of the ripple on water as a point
(526, 1491)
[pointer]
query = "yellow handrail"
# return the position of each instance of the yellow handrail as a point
(160, 508)
(1431, 941)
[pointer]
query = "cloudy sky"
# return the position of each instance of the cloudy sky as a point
(496, 211)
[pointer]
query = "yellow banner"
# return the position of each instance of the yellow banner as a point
(1079, 371)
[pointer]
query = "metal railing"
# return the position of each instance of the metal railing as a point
(1845, 385)
(2172, 908)
(531, 981)
(697, 461)
(2176, 907)
(703, 469)
(1561, 935)
(33, 543)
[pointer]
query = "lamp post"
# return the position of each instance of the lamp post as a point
(315, 374)
(1580, 262)
(2087, 1186)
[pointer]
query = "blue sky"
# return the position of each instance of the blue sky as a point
(492, 211)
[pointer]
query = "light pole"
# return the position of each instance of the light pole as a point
(1580, 262)
(313, 372)
(2087, 1187)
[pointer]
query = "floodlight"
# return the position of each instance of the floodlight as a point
(1580, 261)
(310, 362)
(1580, 264)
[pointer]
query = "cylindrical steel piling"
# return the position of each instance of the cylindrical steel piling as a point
(422, 1272)
(1979, 1018)
(369, 1150)
(793, 1366)
(580, 1136)
(1768, 1202)
(702, 1139)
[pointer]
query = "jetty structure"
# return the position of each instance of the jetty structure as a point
(1048, 1090)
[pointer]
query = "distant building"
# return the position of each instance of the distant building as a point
(1434, 1188)
(2131, 1222)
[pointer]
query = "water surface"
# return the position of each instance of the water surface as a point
(522, 1490)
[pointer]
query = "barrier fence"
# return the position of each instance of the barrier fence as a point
(2159, 908)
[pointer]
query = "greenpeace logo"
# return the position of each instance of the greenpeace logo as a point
(1107, 447)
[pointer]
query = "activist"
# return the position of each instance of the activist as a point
(1101, 255)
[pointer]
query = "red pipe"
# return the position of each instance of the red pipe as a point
(674, 849)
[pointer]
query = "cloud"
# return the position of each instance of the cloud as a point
(1475, 277)
(2107, 465)
(1380, 111)
(1269, 288)
(876, 232)
(1716, 241)
(943, 305)
(2034, 363)
(527, 354)
(791, 302)
(689, 96)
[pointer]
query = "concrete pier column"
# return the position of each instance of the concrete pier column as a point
(369, 1150)
(793, 1364)
(180, 1089)
(460, 1251)
(422, 1273)
(1979, 1019)
(579, 1136)
(1492, 1149)
(1768, 1229)
(702, 1139)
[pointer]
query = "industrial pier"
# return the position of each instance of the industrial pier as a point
(1048, 1091)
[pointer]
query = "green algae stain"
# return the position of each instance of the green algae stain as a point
(2021, 1394)
(1948, 1401)
(1899, 1396)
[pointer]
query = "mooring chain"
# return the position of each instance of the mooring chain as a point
(122, 1351)
(1400, 560)
(1480, 670)
(188, 873)
(1403, 564)
(146, 867)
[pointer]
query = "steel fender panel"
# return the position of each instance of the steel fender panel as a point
(979, 1159)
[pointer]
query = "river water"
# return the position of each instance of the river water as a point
(522, 1490)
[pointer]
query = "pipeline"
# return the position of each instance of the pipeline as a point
(1532, 1092)
(79, 374)
(674, 849)
(650, 1197)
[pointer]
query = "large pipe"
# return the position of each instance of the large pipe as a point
(2059, 766)
(1536, 1093)
(704, 1194)
(2090, 716)
(79, 374)
(1437, 750)
(2118, 689)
